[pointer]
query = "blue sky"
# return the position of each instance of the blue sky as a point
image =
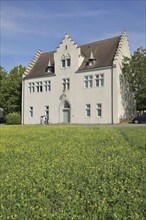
(29, 25)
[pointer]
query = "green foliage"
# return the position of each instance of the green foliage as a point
(70, 173)
(134, 71)
(13, 118)
(10, 93)
(3, 74)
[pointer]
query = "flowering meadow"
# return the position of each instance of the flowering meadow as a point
(64, 172)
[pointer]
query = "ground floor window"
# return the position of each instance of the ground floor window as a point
(31, 111)
(88, 110)
(98, 109)
(47, 111)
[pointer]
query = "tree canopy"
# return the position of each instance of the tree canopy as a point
(134, 71)
(11, 86)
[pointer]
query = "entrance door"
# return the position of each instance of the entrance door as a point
(66, 116)
(66, 112)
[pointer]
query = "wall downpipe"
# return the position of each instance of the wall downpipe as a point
(112, 93)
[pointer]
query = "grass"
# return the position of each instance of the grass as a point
(71, 173)
(136, 136)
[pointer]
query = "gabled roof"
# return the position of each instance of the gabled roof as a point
(103, 51)
(39, 68)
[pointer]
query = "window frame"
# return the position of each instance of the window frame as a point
(65, 84)
(39, 86)
(99, 110)
(99, 80)
(88, 81)
(47, 86)
(31, 87)
(65, 61)
(88, 110)
(31, 111)
(47, 110)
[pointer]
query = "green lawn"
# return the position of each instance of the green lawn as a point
(54, 172)
(135, 136)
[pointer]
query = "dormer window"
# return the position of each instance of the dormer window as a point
(50, 67)
(92, 60)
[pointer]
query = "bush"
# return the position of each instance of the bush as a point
(13, 118)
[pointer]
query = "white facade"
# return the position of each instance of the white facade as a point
(73, 95)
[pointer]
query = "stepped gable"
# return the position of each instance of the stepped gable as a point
(28, 69)
(39, 68)
(123, 40)
(66, 36)
(103, 51)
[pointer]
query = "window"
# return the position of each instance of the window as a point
(68, 62)
(66, 104)
(31, 87)
(31, 112)
(47, 111)
(39, 87)
(65, 61)
(88, 81)
(65, 84)
(47, 86)
(88, 110)
(99, 110)
(99, 80)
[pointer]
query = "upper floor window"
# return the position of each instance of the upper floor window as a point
(88, 81)
(99, 80)
(47, 86)
(68, 62)
(31, 87)
(65, 84)
(65, 61)
(39, 87)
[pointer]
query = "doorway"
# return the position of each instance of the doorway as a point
(66, 112)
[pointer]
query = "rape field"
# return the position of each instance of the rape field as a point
(68, 173)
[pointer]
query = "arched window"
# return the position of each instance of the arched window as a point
(66, 104)
(68, 60)
(65, 61)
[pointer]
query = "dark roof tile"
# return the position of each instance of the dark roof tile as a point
(103, 51)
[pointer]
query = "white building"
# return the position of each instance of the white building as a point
(76, 84)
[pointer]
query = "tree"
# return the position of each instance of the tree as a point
(3, 74)
(134, 72)
(11, 86)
